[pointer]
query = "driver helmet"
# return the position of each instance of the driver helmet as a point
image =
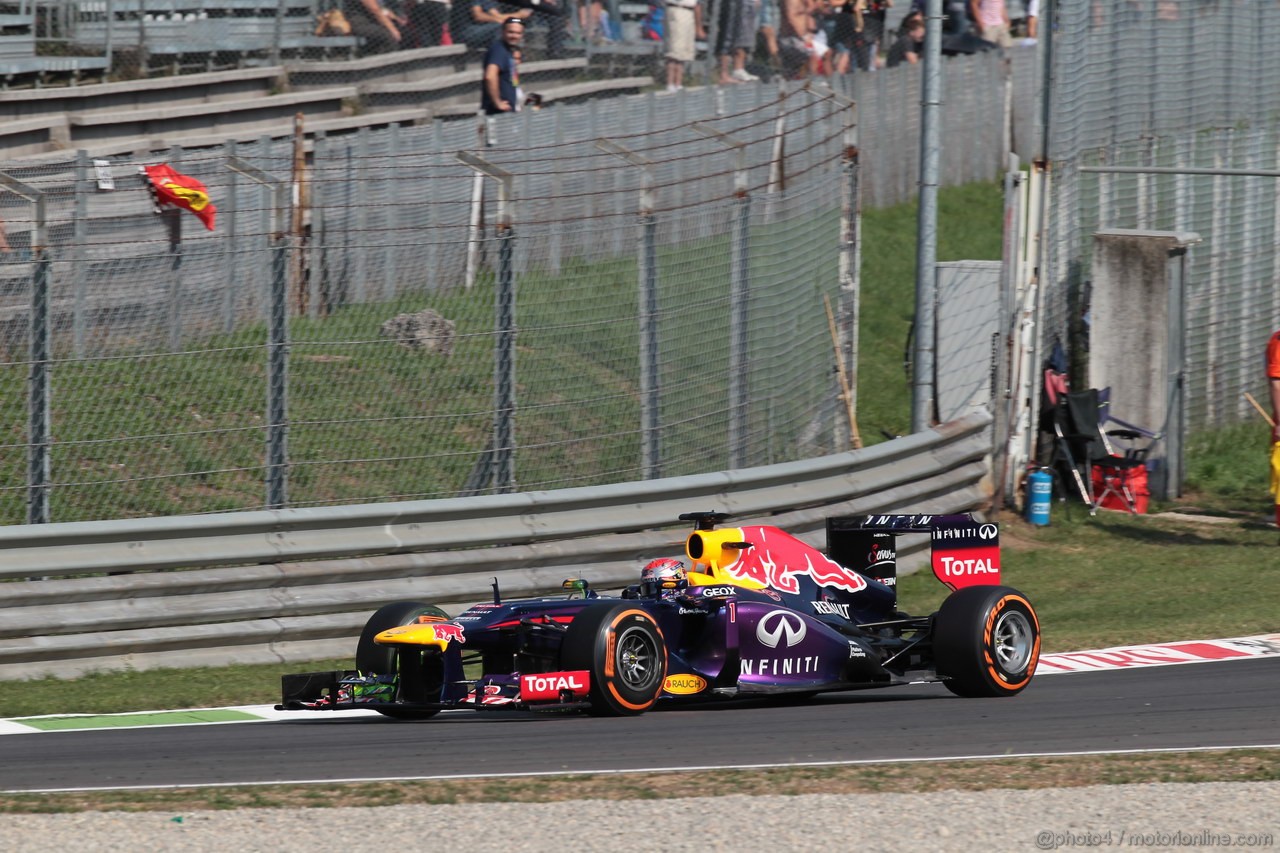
(661, 575)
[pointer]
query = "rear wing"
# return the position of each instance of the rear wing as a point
(964, 550)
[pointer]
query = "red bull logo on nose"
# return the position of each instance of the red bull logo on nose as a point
(448, 632)
(778, 560)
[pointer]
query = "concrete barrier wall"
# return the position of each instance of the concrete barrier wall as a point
(298, 585)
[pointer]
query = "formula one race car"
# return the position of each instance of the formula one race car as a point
(755, 612)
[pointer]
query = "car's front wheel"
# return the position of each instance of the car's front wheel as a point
(986, 641)
(623, 649)
(421, 673)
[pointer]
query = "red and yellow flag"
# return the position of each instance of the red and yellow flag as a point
(182, 191)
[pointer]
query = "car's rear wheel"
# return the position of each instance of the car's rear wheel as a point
(986, 641)
(421, 672)
(623, 649)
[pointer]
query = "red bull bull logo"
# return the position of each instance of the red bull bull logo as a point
(448, 632)
(778, 560)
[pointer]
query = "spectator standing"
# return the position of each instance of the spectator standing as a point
(376, 24)
(1273, 383)
(499, 87)
(426, 23)
(909, 46)
(682, 27)
(769, 32)
(991, 17)
(739, 21)
(801, 54)
(1033, 23)
(556, 16)
(955, 20)
(867, 46)
(845, 31)
(590, 13)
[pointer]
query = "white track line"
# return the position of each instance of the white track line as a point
(1097, 660)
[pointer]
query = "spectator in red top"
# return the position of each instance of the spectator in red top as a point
(1273, 381)
(1273, 385)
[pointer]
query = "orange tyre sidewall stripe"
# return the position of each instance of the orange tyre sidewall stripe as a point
(1034, 661)
(611, 647)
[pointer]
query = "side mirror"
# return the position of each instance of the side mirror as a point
(577, 585)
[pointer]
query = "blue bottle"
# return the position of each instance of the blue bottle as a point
(1039, 496)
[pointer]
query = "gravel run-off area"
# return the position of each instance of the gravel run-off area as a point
(1242, 815)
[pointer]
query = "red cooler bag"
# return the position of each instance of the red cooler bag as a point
(1136, 479)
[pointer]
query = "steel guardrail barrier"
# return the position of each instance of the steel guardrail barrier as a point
(298, 584)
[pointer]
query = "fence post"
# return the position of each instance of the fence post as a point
(277, 337)
(1002, 395)
(144, 57)
(650, 377)
(739, 297)
(432, 271)
(108, 51)
(504, 348)
(228, 246)
(40, 352)
(389, 231)
(277, 32)
(317, 238)
(850, 274)
(362, 217)
(923, 392)
(850, 294)
(171, 218)
(80, 236)
(475, 220)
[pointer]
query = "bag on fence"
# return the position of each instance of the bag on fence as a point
(651, 26)
(332, 23)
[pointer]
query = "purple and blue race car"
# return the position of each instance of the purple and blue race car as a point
(754, 612)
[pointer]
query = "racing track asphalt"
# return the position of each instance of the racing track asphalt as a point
(1234, 703)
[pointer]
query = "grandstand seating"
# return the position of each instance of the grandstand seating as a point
(400, 65)
(208, 108)
(208, 34)
(134, 94)
(18, 58)
(464, 86)
(222, 117)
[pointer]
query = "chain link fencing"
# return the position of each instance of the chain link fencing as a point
(660, 319)
(159, 362)
(1177, 85)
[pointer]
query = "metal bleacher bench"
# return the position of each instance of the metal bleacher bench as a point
(174, 27)
(18, 53)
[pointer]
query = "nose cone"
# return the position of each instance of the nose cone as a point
(429, 635)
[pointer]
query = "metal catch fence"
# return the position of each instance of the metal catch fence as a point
(401, 334)
(1186, 93)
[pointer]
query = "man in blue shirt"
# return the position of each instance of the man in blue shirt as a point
(501, 74)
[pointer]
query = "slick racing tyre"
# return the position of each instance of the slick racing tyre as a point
(623, 649)
(421, 673)
(986, 641)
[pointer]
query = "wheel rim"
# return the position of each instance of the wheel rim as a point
(1011, 640)
(637, 659)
